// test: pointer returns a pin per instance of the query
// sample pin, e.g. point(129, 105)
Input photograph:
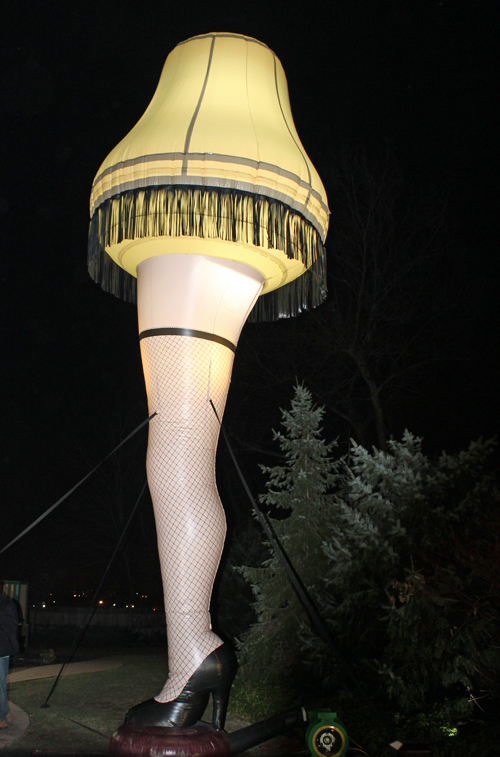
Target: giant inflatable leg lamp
point(191, 311)
point(212, 205)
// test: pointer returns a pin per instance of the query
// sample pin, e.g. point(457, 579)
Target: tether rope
point(65, 496)
point(91, 611)
point(307, 603)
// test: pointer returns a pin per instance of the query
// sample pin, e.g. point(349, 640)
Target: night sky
point(75, 78)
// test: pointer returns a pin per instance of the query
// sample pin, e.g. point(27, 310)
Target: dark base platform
point(143, 741)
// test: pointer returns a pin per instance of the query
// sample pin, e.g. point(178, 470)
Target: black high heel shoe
point(214, 676)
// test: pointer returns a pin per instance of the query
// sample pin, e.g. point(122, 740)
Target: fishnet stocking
point(182, 374)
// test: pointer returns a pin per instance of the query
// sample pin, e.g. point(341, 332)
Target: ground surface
point(85, 709)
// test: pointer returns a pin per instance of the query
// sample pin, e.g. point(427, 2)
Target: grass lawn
point(85, 709)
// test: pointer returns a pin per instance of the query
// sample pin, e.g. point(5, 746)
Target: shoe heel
point(220, 693)
point(220, 697)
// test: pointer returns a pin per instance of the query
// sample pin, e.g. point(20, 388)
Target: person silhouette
point(9, 645)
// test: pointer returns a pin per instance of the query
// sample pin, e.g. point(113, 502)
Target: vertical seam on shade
point(290, 132)
point(196, 111)
point(257, 168)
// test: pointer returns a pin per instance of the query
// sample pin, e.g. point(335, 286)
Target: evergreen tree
point(408, 594)
point(402, 556)
point(370, 530)
point(299, 493)
point(443, 626)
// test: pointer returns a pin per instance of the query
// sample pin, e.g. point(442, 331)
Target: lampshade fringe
point(210, 213)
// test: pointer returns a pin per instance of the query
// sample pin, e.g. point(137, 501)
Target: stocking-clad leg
point(191, 310)
point(183, 373)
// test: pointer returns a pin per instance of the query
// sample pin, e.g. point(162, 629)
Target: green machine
point(326, 735)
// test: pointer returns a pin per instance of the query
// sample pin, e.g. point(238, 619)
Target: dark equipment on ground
point(325, 737)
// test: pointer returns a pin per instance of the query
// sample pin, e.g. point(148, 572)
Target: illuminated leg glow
point(183, 373)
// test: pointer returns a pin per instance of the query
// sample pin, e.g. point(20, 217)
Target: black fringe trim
point(210, 213)
point(290, 300)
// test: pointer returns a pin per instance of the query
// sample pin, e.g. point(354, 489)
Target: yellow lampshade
point(215, 167)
